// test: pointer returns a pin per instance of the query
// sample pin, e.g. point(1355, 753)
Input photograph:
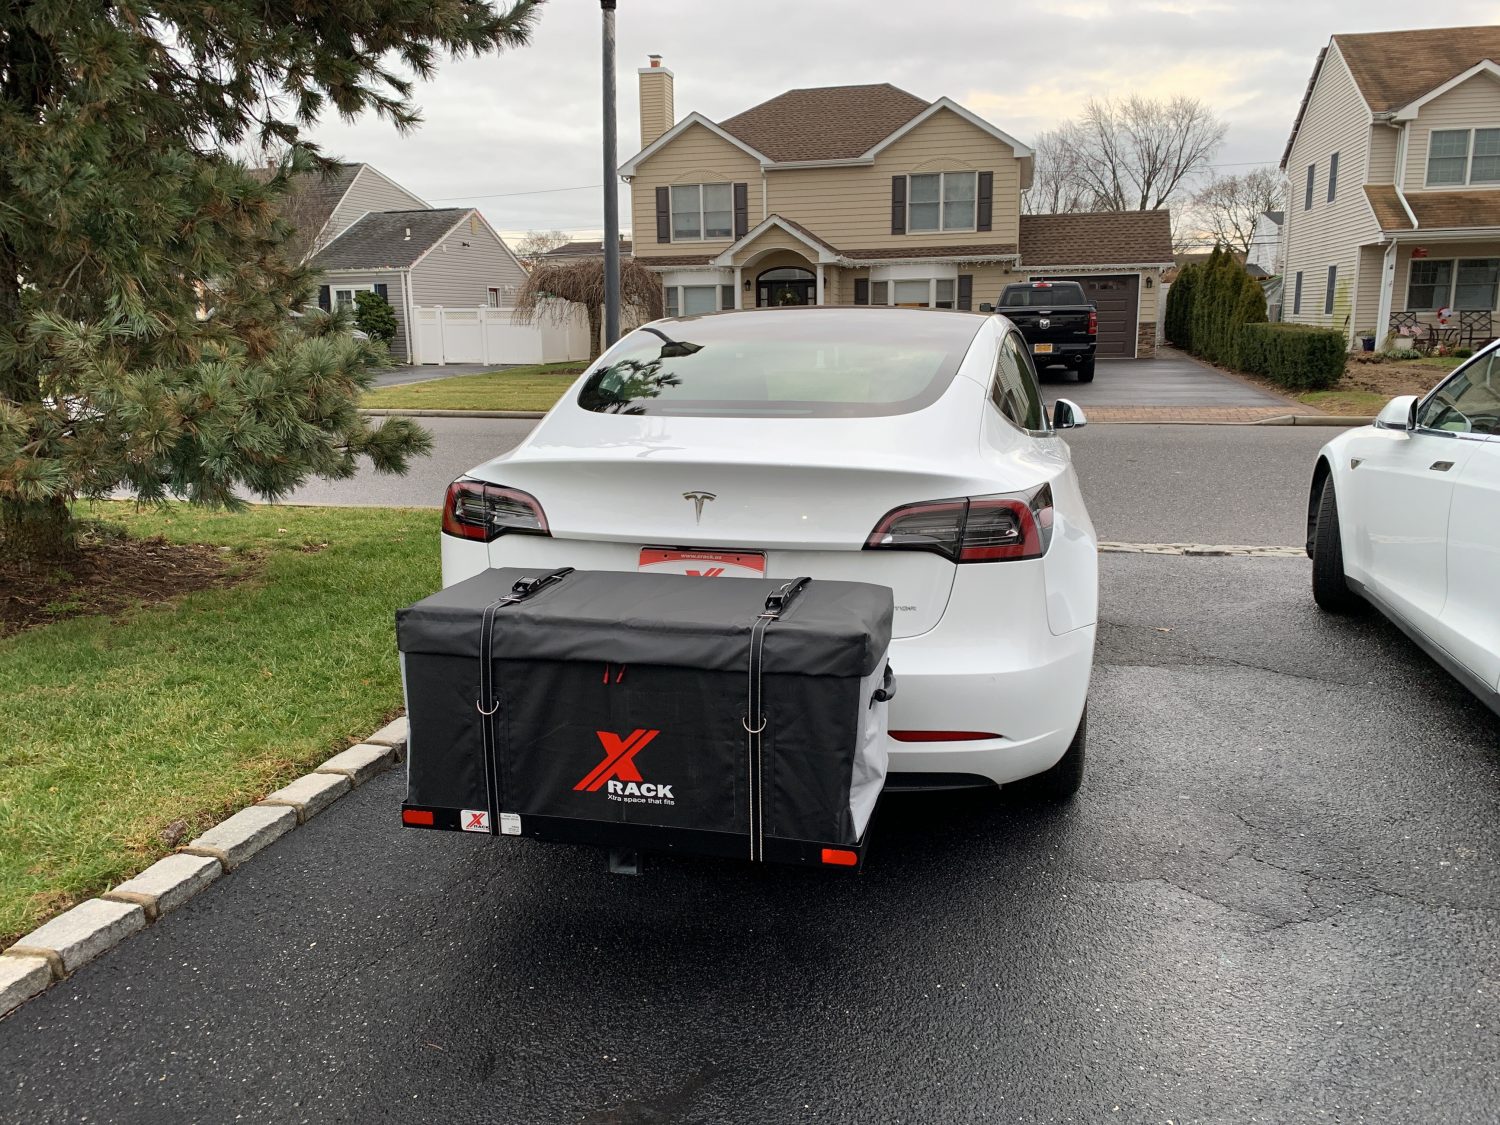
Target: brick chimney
point(657, 113)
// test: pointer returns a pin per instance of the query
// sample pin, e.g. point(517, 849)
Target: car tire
point(1061, 782)
point(1330, 587)
point(1086, 371)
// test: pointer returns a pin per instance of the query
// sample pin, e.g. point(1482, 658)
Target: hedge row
point(1299, 357)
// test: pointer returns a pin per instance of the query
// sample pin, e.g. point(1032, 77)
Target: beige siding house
point(868, 195)
point(1393, 214)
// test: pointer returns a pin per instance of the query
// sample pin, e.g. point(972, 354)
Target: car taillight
point(476, 510)
point(971, 528)
point(1093, 324)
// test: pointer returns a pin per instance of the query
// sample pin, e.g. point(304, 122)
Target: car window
point(1014, 389)
point(1469, 402)
point(827, 364)
point(1068, 293)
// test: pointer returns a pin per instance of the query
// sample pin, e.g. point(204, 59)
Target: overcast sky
point(519, 134)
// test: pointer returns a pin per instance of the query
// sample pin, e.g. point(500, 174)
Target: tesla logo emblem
point(1044, 322)
point(619, 759)
point(698, 499)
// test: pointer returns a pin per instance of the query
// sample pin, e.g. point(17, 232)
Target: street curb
point(1345, 420)
point(396, 412)
point(59, 947)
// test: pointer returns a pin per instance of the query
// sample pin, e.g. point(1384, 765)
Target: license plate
point(703, 564)
point(1042, 349)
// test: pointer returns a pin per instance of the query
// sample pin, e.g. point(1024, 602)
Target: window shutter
point(1333, 176)
point(726, 292)
point(741, 211)
point(383, 291)
point(985, 201)
point(663, 215)
point(325, 298)
point(966, 290)
point(898, 204)
point(861, 290)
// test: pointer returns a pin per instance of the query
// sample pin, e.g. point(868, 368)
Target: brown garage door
point(1117, 298)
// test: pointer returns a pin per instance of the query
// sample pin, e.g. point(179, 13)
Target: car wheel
point(1086, 371)
point(1329, 586)
point(1059, 783)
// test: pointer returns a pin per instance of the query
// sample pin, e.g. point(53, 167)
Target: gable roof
point(311, 201)
point(570, 251)
point(824, 122)
point(380, 239)
point(1090, 238)
point(1392, 69)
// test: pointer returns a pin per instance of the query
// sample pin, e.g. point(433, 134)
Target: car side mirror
point(985, 308)
point(1398, 414)
point(1068, 415)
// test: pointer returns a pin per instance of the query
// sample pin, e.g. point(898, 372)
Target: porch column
point(820, 283)
point(739, 288)
point(1387, 288)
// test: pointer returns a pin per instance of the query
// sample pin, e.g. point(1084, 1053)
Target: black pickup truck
point(1055, 318)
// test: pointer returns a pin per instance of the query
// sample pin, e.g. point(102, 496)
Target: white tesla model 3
point(1405, 514)
point(909, 448)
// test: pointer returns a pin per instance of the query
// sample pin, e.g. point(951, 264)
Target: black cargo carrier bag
point(734, 717)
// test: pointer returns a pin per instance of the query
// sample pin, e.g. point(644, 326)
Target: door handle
point(1440, 466)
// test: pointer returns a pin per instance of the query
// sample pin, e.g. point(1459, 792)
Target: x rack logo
point(619, 759)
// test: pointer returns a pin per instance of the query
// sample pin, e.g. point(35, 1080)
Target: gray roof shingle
point(310, 202)
point(825, 122)
point(388, 239)
point(1099, 238)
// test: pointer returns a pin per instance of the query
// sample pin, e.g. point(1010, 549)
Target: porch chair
point(1476, 327)
point(1424, 336)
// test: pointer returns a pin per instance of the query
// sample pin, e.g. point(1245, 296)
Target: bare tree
point(538, 242)
point(1055, 182)
point(1131, 154)
point(1228, 207)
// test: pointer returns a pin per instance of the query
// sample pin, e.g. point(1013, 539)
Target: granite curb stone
point(167, 883)
point(394, 734)
point(360, 763)
point(76, 937)
point(235, 840)
point(22, 976)
point(310, 794)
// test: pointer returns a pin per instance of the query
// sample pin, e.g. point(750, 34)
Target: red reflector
point(417, 816)
point(839, 857)
point(941, 735)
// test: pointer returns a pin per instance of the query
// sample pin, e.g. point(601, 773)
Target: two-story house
point(362, 231)
point(1394, 163)
point(869, 195)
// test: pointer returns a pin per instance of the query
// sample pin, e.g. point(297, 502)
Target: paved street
point(1274, 900)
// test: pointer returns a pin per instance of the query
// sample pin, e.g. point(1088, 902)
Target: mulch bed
point(110, 575)
point(1389, 377)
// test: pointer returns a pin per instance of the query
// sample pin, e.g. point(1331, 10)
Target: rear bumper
point(1071, 354)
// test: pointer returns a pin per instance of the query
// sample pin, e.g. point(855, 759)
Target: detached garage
point(1117, 256)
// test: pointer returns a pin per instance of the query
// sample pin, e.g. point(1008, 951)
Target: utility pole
point(611, 185)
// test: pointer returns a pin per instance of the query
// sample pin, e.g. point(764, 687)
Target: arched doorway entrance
point(785, 285)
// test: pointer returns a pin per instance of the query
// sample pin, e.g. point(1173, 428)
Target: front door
point(786, 286)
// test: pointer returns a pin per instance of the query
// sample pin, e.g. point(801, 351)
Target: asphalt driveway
point(1274, 900)
point(1170, 379)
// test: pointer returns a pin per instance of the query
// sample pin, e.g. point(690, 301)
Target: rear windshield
point(785, 364)
point(1058, 293)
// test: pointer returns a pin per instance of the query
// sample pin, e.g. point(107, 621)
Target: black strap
point(487, 704)
point(755, 721)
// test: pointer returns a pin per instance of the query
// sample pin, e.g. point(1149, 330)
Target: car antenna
point(674, 349)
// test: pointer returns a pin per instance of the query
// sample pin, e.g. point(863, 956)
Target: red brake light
point(417, 816)
point(1041, 285)
point(839, 857)
point(971, 528)
point(1093, 323)
point(476, 510)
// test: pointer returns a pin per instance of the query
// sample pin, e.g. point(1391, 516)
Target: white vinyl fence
point(488, 335)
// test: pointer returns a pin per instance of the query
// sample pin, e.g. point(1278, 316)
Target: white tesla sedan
point(909, 448)
point(1405, 514)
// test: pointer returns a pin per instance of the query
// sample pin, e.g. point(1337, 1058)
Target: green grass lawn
point(189, 710)
point(1362, 404)
point(535, 387)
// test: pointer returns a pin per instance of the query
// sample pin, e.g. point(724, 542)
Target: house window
point(1312, 173)
point(1468, 283)
point(1297, 294)
point(702, 211)
point(1333, 176)
point(940, 201)
point(1463, 156)
point(494, 294)
point(692, 300)
point(914, 293)
point(1429, 284)
point(1333, 281)
point(343, 296)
